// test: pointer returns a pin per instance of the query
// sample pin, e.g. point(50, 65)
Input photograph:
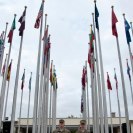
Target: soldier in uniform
point(61, 128)
point(82, 128)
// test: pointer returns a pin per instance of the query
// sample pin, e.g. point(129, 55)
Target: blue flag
point(96, 17)
point(127, 28)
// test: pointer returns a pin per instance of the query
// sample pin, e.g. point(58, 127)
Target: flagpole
point(110, 112)
point(27, 128)
point(88, 100)
point(6, 97)
point(50, 108)
point(2, 96)
point(1, 60)
point(37, 77)
point(131, 28)
point(20, 111)
point(47, 93)
point(41, 82)
point(123, 85)
point(119, 111)
point(129, 48)
point(16, 86)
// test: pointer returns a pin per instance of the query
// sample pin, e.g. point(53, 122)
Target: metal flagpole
point(50, 108)
point(110, 112)
point(37, 77)
point(20, 111)
point(1, 59)
point(16, 85)
point(41, 81)
point(123, 86)
point(87, 99)
point(6, 97)
point(129, 48)
point(119, 111)
point(29, 105)
point(2, 96)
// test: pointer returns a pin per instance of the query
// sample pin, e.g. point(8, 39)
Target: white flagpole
point(110, 112)
point(47, 92)
point(101, 106)
point(103, 88)
point(1, 59)
point(131, 28)
point(130, 53)
point(16, 86)
point(123, 86)
point(37, 79)
point(50, 108)
point(3, 87)
point(41, 82)
point(119, 111)
point(20, 111)
point(27, 128)
point(88, 99)
point(98, 79)
point(6, 97)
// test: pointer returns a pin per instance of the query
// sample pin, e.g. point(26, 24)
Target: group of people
point(62, 129)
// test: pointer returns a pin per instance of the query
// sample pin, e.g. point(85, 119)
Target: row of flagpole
point(97, 77)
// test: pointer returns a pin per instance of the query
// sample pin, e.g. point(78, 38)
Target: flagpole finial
point(92, 13)
point(46, 14)
point(112, 7)
point(6, 23)
point(15, 15)
point(94, 1)
point(131, 23)
point(124, 15)
point(11, 60)
point(114, 68)
point(25, 7)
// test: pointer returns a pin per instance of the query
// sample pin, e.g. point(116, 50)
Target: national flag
point(127, 28)
point(116, 81)
point(114, 21)
point(54, 79)
point(30, 82)
point(23, 80)
point(96, 17)
point(1, 39)
point(108, 82)
point(4, 67)
point(22, 22)
point(128, 71)
point(84, 77)
point(9, 71)
point(39, 16)
point(82, 104)
point(10, 35)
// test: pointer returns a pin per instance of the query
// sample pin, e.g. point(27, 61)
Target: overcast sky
point(69, 22)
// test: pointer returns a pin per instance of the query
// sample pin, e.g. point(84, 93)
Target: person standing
point(82, 128)
point(61, 128)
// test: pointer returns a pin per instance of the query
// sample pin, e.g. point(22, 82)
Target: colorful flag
point(96, 17)
point(114, 21)
point(30, 82)
point(82, 104)
point(116, 81)
point(128, 71)
point(10, 35)
point(9, 71)
point(84, 77)
point(39, 16)
point(23, 80)
point(54, 79)
point(4, 67)
point(108, 82)
point(127, 28)
point(1, 39)
point(22, 22)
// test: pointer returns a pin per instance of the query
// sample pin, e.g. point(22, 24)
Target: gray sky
point(69, 22)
